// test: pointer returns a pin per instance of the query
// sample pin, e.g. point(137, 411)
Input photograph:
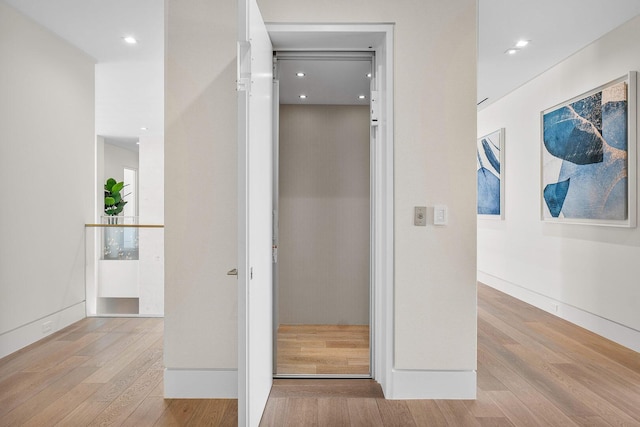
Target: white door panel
point(255, 77)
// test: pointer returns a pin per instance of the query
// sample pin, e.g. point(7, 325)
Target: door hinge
point(274, 253)
point(375, 107)
point(251, 273)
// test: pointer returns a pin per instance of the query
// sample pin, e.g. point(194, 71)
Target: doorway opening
point(323, 214)
point(255, 308)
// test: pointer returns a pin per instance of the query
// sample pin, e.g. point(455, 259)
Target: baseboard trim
point(18, 338)
point(609, 329)
point(200, 383)
point(412, 384)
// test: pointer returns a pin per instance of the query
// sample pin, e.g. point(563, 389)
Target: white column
point(151, 211)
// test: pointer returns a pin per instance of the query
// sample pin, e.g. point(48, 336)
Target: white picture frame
point(490, 167)
point(587, 168)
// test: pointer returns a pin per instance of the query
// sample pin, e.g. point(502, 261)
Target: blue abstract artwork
point(584, 157)
point(489, 174)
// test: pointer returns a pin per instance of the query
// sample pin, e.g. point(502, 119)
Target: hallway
point(533, 369)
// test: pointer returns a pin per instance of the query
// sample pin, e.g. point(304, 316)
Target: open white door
point(255, 350)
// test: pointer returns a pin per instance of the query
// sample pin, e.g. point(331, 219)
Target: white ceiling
point(556, 28)
point(129, 79)
point(336, 81)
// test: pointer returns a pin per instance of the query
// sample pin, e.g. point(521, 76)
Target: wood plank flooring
point(99, 371)
point(533, 370)
point(323, 349)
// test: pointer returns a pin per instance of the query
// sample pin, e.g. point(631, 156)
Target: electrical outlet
point(47, 326)
point(420, 216)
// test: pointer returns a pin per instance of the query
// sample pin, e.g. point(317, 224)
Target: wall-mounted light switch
point(420, 216)
point(440, 215)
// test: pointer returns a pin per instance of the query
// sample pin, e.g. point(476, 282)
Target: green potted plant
point(113, 237)
point(113, 201)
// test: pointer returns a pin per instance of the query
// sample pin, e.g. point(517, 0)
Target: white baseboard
point(200, 384)
point(432, 385)
point(609, 329)
point(15, 339)
point(223, 384)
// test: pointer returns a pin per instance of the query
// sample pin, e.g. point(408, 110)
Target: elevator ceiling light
point(300, 74)
point(522, 43)
point(130, 40)
point(511, 51)
point(362, 96)
point(303, 96)
point(369, 75)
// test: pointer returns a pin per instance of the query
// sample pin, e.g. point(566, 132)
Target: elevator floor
point(323, 349)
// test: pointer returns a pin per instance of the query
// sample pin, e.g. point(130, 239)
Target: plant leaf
point(109, 184)
point(117, 187)
point(109, 201)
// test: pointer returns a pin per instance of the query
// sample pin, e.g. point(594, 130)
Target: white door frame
point(377, 38)
point(367, 56)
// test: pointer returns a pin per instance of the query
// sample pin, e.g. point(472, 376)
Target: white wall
point(200, 181)
point(589, 272)
point(151, 211)
point(435, 131)
point(116, 159)
point(47, 167)
point(323, 247)
point(151, 179)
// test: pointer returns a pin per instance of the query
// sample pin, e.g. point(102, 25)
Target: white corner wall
point(47, 167)
point(586, 274)
point(435, 132)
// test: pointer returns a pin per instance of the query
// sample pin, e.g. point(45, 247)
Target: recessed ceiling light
point(362, 96)
point(130, 40)
point(511, 51)
point(369, 75)
point(522, 43)
point(300, 74)
point(303, 96)
point(138, 143)
point(144, 128)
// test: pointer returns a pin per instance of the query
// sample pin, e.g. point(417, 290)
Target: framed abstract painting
point(588, 157)
point(490, 175)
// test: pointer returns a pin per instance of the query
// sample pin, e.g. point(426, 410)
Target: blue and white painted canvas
point(489, 174)
point(584, 158)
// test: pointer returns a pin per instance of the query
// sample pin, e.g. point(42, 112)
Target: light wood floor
point(533, 370)
point(323, 349)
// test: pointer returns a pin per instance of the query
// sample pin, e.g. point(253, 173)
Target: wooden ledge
point(127, 225)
